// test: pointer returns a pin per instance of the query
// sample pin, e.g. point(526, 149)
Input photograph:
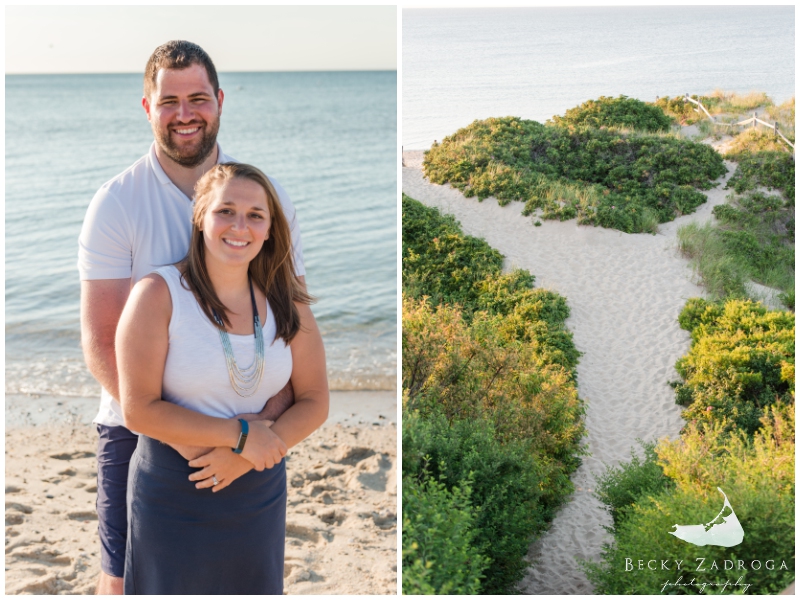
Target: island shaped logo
point(724, 530)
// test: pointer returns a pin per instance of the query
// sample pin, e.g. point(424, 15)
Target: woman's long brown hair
point(272, 270)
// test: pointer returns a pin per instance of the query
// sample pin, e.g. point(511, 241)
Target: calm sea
point(329, 138)
point(465, 64)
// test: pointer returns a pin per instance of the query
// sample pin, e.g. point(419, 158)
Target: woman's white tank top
point(196, 374)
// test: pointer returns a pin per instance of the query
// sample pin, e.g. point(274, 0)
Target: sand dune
point(341, 514)
point(625, 293)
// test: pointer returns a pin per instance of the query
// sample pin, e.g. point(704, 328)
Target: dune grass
point(784, 115)
point(753, 240)
point(733, 102)
point(758, 139)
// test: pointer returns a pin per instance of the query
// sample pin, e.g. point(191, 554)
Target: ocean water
point(330, 138)
point(465, 64)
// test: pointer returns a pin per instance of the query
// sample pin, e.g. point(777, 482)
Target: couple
point(193, 315)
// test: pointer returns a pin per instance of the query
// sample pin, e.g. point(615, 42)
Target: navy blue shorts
point(115, 447)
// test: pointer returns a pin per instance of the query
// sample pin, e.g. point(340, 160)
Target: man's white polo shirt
point(140, 221)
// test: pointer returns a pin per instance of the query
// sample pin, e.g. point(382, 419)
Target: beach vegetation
point(772, 170)
point(620, 487)
point(783, 114)
point(439, 528)
point(733, 102)
point(688, 113)
point(625, 181)
point(728, 107)
point(506, 491)
point(718, 102)
point(722, 275)
point(489, 405)
point(622, 112)
point(737, 383)
point(757, 476)
point(756, 140)
point(752, 239)
point(741, 362)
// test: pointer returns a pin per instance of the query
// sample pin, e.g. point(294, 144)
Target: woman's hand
point(263, 448)
point(222, 463)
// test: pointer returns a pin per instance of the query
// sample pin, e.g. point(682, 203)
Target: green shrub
point(620, 488)
point(787, 298)
point(757, 476)
point(506, 487)
point(615, 112)
point(741, 362)
point(490, 406)
point(773, 170)
point(625, 182)
point(472, 371)
point(446, 266)
point(439, 555)
point(439, 261)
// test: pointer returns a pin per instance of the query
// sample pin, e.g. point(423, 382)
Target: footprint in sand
point(291, 564)
point(302, 533)
point(318, 489)
point(15, 513)
point(353, 454)
point(371, 473)
point(332, 516)
point(14, 518)
point(72, 455)
point(42, 555)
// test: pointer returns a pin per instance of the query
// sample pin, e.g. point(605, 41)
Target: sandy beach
point(342, 498)
point(625, 293)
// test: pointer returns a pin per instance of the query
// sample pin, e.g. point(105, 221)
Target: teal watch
point(242, 437)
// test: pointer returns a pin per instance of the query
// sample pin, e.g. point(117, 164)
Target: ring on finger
point(214, 479)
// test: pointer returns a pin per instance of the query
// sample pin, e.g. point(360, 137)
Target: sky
point(119, 39)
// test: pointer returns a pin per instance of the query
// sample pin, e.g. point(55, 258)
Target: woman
point(183, 343)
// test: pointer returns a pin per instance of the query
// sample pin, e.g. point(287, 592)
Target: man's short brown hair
point(178, 54)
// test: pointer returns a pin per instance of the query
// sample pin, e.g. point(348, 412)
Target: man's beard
point(189, 158)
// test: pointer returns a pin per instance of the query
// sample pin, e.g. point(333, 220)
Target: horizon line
point(218, 71)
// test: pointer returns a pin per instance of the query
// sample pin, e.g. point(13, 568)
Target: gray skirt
point(182, 540)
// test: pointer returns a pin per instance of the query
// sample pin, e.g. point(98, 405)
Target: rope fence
point(754, 120)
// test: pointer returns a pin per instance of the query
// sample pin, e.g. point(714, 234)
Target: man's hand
point(222, 463)
point(274, 408)
point(278, 404)
point(263, 448)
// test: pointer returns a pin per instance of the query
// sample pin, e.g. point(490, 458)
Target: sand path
point(625, 293)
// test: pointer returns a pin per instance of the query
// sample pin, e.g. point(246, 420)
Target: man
point(137, 222)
